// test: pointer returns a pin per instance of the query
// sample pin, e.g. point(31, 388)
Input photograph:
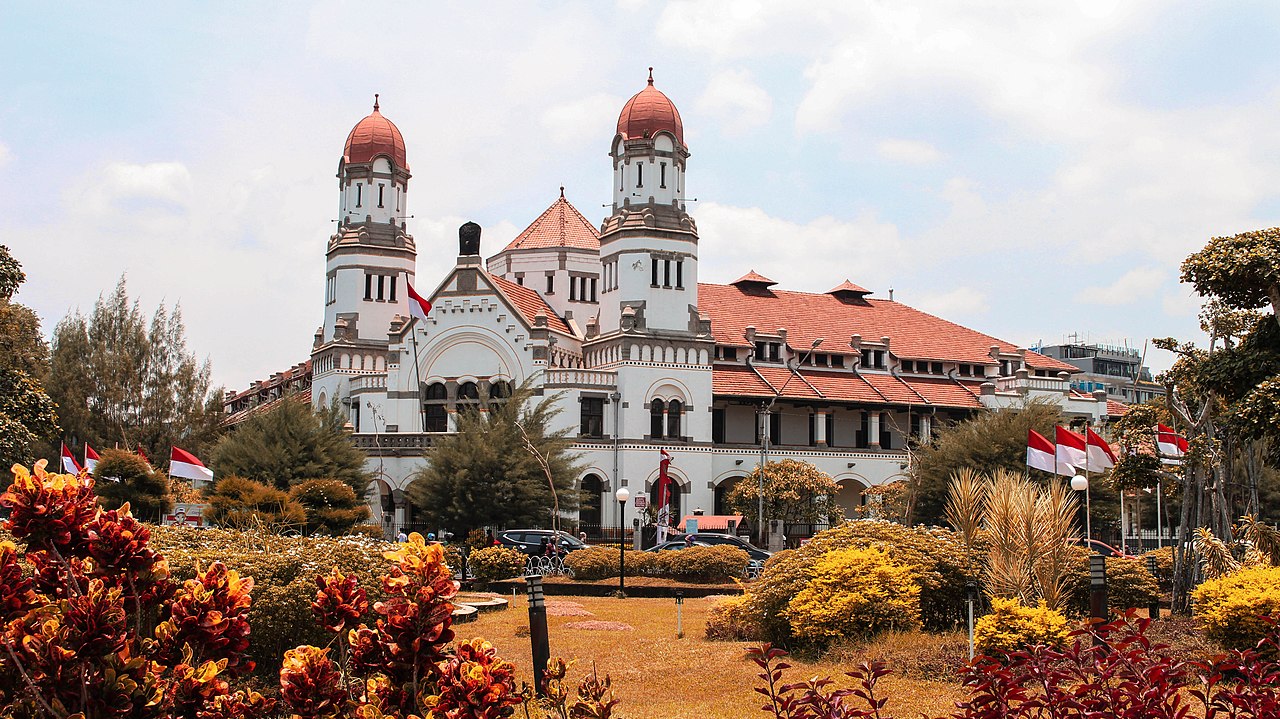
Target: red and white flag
point(1100, 455)
point(1040, 452)
point(1072, 452)
point(1170, 444)
point(90, 458)
point(184, 464)
point(69, 465)
point(418, 305)
point(664, 496)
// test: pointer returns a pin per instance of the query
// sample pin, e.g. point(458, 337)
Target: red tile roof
point(849, 287)
point(649, 112)
point(529, 304)
point(561, 225)
point(867, 387)
point(913, 334)
point(1116, 409)
point(373, 136)
point(754, 278)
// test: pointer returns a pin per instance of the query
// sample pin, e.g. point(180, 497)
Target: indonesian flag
point(1100, 455)
point(1171, 444)
point(1040, 452)
point(90, 458)
point(1071, 451)
point(664, 496)
point(138, 451)
point(69, 461)
point(184, 464)
point(418, 306)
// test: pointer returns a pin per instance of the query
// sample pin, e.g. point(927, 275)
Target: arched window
point(656, 409)
point(673, 419)
point(722, 495)
point(673, 500)
point(436, 417)
point(499, 391)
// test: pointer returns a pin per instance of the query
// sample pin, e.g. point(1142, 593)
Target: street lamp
point(1080, 483)
point(622, 495)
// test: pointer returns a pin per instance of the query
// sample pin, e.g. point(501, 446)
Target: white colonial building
point(613, 322)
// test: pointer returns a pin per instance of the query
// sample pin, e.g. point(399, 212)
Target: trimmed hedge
point(494, 563)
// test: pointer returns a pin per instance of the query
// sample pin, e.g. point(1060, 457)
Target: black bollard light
point(538, 630)
point(1153, 610)
point(679, 614)
point(1098, 587)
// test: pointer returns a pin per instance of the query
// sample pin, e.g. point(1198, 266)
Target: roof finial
point(562, 192)
point(375, 102)
point(650, 76)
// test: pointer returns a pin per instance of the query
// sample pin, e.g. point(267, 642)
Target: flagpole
point(422, 410)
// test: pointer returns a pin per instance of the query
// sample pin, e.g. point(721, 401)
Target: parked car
point(1100, 547)
point(533, 541)
point(674, 544)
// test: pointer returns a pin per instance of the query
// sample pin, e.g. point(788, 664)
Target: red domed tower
point(649, 245)
point(369, 258)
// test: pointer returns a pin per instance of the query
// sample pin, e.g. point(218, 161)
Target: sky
point(1028, 169)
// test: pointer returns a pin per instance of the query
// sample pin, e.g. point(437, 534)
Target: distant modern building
point(1116, 369)
point(613, 321)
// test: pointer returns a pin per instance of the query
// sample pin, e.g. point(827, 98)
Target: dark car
point(534, 541)
point(675, 544)
point(1100, 547)
point(757, 554)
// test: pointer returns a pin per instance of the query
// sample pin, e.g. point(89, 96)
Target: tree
point(330, 505)
point(482, 475)
point(120, 382)
point(125, 477)
point(991, 440)
point(291, 443)
point(243, 504)
point(1242, 270)
point(795, 492)
point(28, 416)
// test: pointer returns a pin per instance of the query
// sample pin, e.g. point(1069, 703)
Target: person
point(431, 537)
point(688, 540)
point(402, 537)
point(490, 539)
point(582, 536)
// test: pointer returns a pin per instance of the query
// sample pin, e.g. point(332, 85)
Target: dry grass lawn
point(656, 676)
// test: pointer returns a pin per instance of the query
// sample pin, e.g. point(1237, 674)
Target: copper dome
point(373, 136)
point(648, 113)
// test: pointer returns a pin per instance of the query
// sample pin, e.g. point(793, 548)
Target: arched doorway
point(589, 514)
point(722, 494)
point(852, 497)
point(674, 501)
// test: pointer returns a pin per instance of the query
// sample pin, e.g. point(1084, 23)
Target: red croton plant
point(93, 627)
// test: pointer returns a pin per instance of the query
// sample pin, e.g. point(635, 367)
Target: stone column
point(873, 430)
point(926, 428)
point(820, 429)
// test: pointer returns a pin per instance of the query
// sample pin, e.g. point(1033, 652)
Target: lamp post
point(1080, 483)
point(623, 494)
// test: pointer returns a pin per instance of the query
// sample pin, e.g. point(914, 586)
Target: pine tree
point(291, 443)
point(483, 475)
point(28, 416)
point(125, 477)
point(120, 382)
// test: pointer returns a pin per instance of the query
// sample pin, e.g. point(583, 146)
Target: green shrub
point(372, 531)
point(1011, 626)
point(944, 569)
point(719, 563)
point(1164, 564)
point(855, 592)
point(494, 563)
point(731, 620)
point(241, 503)
point(602, 563)
point(125, 477)
point(1129, 583)
point(284, 571)
point(331, 506)
point(1233, 608)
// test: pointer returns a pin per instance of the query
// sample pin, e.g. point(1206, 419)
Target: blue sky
point(1028, 169)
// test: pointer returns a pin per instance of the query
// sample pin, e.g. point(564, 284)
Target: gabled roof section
point(561, 225)
point(848, 290)
point(753, 278)
point(529, 304)
point(806, 316)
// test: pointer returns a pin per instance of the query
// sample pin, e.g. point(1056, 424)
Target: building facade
point(612, 321)
point(1117, 370)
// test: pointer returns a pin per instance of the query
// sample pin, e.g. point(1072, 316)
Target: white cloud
point(736, 102)
point(569, 122)
point(812, 256)
point(961, 302)
point(911, 152)
point(129, 187)
point(1136, 284)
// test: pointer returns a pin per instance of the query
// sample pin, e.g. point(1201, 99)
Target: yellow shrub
point(856, 592)
point(601, 562)
point(494, 563)
point(719, 563)
point(1011, 626)
point(731, 619)
point(1232, 608)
